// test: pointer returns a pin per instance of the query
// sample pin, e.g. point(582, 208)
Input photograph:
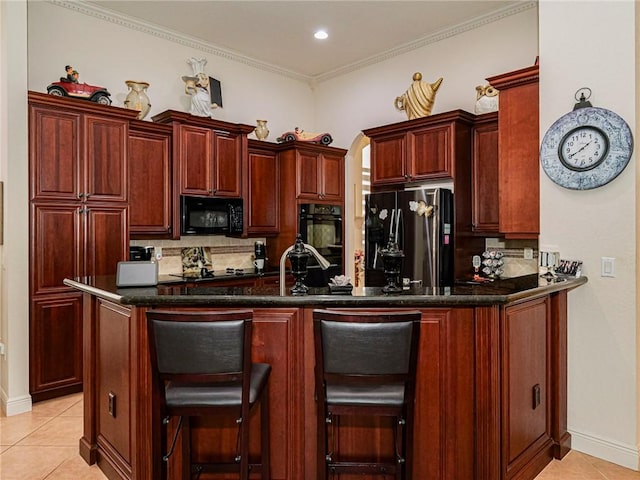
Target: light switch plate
point(608, 267)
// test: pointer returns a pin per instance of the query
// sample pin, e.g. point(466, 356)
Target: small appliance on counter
point(259, 256)
point(140, 253)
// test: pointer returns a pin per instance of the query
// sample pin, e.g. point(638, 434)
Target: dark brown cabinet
point(320, 176)
point(526, 409)
point(419, 150)
point(518, 144)
point(484, 174)
point(151, 199)
point(78, 221)
point(208, 155)
point(309, 173)
point(263, 184)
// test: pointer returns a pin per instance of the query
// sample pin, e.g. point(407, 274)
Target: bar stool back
point(201, 365)
point(365, 366)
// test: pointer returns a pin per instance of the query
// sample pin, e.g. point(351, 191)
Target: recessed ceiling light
point(321, 35)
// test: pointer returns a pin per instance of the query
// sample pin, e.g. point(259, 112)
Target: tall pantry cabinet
point(78, 226)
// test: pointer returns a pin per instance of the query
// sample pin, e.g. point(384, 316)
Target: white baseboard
point(623, 455)
point(15, 406)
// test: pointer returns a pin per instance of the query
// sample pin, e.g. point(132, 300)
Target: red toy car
point(297, 134)
point(66, 88)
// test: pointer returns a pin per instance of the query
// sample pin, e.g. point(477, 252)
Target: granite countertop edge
point(266, 297)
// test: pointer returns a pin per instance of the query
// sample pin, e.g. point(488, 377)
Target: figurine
point(418, 100)
point(69, 86)
point(486, 99)
point(198, 86)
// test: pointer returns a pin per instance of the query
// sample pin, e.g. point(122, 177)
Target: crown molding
point(150, 29)
point(430, 39)
point(176, 37)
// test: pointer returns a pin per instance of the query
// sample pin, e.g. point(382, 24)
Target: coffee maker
point(259, 256)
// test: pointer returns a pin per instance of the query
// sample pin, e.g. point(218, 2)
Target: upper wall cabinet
point(320, 174)
point(518, 146)
point(150, 187)
point(419, 150)
point(78, 151)
point(208, 155)
point(262, 207)
point(484, 168)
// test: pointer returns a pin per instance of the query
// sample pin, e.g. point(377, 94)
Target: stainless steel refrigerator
point(421, 222)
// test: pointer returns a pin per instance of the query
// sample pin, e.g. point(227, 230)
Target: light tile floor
point(43, 444)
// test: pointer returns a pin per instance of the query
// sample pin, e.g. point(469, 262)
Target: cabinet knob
point(80, 195)
point(87, 195)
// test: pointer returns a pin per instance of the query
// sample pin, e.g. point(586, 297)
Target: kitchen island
point(491, 392)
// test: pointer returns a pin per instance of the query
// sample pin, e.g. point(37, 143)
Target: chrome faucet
point(323, 262)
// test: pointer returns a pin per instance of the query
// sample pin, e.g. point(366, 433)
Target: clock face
point(583, 148)
point(586, 148)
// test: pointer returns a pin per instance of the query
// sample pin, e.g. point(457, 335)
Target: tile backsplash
point(515, 264)
point(224, 252)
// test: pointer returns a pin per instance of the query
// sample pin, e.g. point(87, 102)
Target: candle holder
point(392, 262)
point(299, 256)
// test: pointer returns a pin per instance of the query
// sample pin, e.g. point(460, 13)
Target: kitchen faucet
point(323, 262)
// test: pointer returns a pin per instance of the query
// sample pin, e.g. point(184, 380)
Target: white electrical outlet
point(528, 253)
point(1, 349)
point(158, 253)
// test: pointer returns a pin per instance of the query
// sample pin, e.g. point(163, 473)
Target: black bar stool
point(365, 366)
point(201, 365)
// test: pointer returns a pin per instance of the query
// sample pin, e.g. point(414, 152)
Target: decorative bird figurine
point(486, 99)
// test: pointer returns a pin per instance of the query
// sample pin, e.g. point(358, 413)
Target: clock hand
point(571, 155)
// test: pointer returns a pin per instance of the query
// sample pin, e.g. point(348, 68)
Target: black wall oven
point(321, 227)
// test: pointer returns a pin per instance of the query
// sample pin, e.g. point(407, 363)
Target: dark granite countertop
point(462, 294)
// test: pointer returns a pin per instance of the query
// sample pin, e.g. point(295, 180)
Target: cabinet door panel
point(332, 177)
point(107, 239)
point(263, 199)
point(308, 174)
point(150, 190)
point(274, 334)
point(526, 420)
point(55, 247)
point(54, 150)
point(106, 159)
point(113, 350)
point(485, 209)
point(444, 407)
point(430, 153)
point(227, 166)
point(388, 156)
point(196, 160)
point(55, 337)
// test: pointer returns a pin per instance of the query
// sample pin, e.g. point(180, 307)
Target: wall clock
point(586, 148)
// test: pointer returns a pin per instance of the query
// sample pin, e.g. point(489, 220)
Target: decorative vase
point(137, 98)
point(392, 262)
point(261, 130)
point(299, 256)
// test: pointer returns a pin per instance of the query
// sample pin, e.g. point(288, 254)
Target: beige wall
point(596, 223)
point(14, 326)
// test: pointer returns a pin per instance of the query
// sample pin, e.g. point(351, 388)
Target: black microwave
point(210, 216)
